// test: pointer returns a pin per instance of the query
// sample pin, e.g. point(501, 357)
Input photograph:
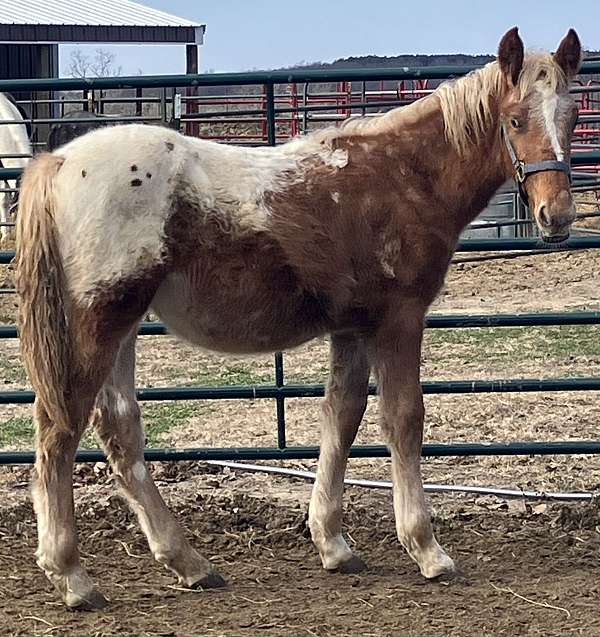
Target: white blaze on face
point(550, 116)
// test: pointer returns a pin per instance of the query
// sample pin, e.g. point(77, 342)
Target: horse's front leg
point(343, 408)
point(396, 359)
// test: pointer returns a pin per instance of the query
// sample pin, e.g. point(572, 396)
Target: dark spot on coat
point(148, 175)
point(170, 146)
point(83, 173)
point(136, 182)
point(134, 168)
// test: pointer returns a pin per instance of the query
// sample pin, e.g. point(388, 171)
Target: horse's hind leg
point(94, 336)
point(52, 487)
point(343, 408)
point(118, 424)
point(52, 493)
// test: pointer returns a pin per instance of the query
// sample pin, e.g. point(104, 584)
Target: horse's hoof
point(446, 577)
point(350, 566)
point(94, 600)
point(441, 570)
point(212, 580)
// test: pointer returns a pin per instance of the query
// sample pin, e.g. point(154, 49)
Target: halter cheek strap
point(522, 170)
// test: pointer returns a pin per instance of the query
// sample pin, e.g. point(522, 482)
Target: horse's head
point(537, 118)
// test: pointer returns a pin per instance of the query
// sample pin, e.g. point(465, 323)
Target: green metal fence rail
point(456, 321)
point(566, 447)
point(257, 392)
point(298, 76)
point(279, 390)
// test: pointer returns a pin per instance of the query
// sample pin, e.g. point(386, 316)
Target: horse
point(63, 132)
point(14, 140)
point(345, 231)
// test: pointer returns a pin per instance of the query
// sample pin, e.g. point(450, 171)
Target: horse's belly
point(241, 313)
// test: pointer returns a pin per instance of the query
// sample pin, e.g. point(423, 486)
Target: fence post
point(139, 107)
point(270, 114)
point(280, 401)
point(177, 112)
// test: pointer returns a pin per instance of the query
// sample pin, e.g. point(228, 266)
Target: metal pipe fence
point(338, 103)
point(279, 391)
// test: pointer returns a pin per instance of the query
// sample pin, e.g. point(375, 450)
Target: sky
point(243, 35)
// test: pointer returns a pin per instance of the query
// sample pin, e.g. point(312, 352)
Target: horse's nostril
point(543, 215)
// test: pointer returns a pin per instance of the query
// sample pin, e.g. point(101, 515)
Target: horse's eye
point(515, 123)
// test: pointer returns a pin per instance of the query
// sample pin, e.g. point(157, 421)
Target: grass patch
point(233, 374)
point(317, 376)
point(16, 432)
point(160, 418)
point(513, 344)
point(19, 432)
point(11, 370)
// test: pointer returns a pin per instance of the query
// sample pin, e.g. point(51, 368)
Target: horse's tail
point(43, 324)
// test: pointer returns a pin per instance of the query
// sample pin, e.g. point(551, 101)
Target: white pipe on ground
point(430, 488)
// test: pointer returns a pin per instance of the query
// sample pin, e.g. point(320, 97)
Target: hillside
point(383, 61)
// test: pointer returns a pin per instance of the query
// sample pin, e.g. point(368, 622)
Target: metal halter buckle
point(519, 171)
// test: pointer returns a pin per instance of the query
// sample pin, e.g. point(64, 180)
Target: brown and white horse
point(345, 231)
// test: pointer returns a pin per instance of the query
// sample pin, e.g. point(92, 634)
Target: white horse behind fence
point(15, 150)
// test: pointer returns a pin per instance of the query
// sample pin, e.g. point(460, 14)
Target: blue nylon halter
point(523, 170)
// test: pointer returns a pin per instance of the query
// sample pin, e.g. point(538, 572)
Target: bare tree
point(102, 64)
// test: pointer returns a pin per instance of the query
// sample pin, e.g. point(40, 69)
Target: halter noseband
point(522, 170)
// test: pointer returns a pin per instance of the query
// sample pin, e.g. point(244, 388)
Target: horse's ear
point(568, 55)
point(510, 55)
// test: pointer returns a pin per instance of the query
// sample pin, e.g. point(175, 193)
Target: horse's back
point(113, 196)
point(120, 187)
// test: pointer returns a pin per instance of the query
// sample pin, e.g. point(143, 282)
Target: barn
point(31, 32)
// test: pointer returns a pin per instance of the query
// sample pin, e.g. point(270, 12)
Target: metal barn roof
point(93, 21)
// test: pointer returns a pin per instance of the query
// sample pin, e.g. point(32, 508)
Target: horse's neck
point(464, 183)
point(470, 181)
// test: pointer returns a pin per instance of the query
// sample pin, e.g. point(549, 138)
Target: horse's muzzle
point(555, 224)
point(555, 238)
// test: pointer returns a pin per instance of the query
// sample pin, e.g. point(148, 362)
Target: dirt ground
point(525, 568)
point(524, 571)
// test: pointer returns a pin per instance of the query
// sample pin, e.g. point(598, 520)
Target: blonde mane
point(466, 102)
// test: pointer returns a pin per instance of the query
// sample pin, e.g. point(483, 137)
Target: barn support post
point(191, 68)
